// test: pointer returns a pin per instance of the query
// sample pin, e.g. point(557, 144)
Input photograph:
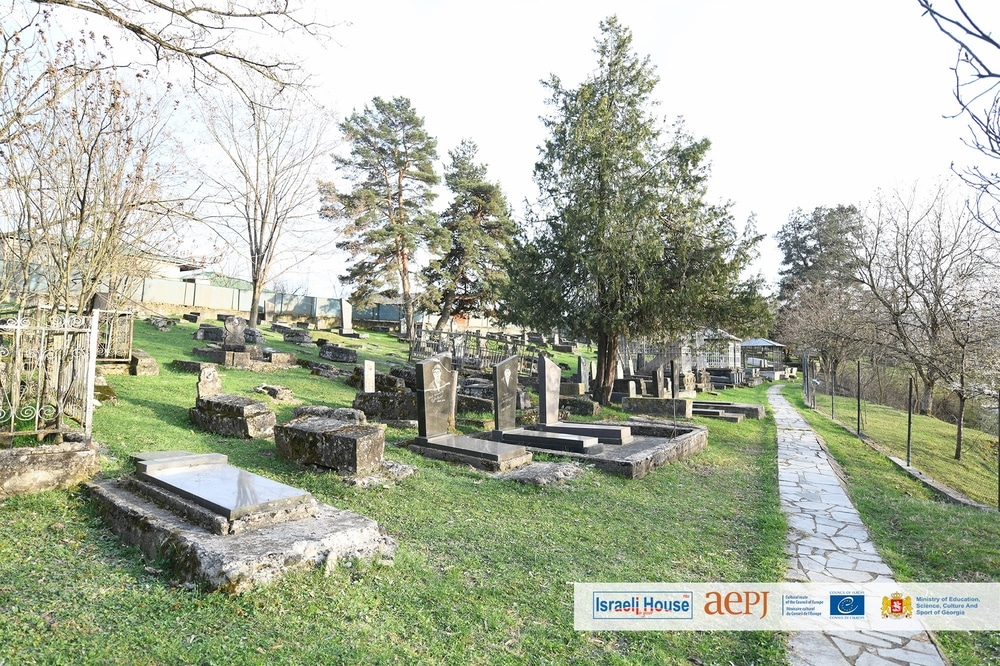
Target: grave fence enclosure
point(473, 351)
point(114, 342)
point(46, 375)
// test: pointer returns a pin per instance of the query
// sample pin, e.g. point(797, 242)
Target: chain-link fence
point(884, 403)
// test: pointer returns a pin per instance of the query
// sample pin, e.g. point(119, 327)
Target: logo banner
point(786, 606)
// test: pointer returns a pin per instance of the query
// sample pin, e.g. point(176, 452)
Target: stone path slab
point(827, 543)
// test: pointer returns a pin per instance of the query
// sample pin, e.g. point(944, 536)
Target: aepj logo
point(847, 605)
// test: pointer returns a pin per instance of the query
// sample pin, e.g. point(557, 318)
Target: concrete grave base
point(233, 416)
point(481, 454)
point(236, 562)
point(655, 443)
point(34, 469)
point(347, 448)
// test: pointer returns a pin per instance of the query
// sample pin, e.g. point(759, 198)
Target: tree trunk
point(959, 431)
point(446, 309)
point(607, 355)
point(254, 319)
point(927, 397)
point(409, 328)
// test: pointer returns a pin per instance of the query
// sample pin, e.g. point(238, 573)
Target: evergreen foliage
point(624, 242)
point(467, 277)
point(387, 211)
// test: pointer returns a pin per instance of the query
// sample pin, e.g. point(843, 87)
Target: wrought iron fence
point(114, 330)
point(473, 351)
point(46, 376)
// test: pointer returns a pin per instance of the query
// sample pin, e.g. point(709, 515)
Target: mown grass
point(932, 448)
point(482, 575)
point(917, 534)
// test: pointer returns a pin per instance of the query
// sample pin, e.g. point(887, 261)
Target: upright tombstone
point(505, 396)
point(346, 317)
point(436, 391)
point(619, 369)
point(209, 383)
point(659, 382)
point(583, 369)
point(234, 327)
point(369, 379)
point(675, 379)
point(549, 377)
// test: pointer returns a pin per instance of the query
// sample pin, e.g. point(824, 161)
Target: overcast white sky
point(807, 103)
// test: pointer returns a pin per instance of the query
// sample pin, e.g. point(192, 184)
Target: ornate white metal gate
point(46, 377)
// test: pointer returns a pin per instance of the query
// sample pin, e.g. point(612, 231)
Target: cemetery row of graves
point(221, 525)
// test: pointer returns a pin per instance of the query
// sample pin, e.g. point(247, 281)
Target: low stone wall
point(679, 408)
point(35, 469)
point(387, 406)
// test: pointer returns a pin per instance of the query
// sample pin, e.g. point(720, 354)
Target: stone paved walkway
point(827, 542)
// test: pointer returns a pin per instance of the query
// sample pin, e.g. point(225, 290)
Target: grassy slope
point(481, 576)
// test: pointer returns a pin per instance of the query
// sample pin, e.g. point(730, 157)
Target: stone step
point(553, 441)
point(606, 433)
point(718, 414)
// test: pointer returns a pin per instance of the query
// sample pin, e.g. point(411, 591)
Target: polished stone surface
point(553, 441)
point(605, 433)
point(229, 491)
point(505, 393)
point(436, 390)
point(827, 543)
point(549, 377)
point(476, 448)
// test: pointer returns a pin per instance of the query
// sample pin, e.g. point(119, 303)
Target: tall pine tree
point(387, 212)
point(466, 279)
point(624, 242)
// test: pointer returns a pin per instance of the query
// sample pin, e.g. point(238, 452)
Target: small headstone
point(583, 370)
point(548, 390)
point(659, 382)
point(235, 326)
point(346, 316)
point(142, 364)
point(369, 383)
point(619, 370)
point(505, 393)
point(209, 383)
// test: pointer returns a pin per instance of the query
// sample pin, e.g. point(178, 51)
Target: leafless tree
point(267, 196)
point(215, 39)
point(977, 91)
point(926, 264)
point(82, 202)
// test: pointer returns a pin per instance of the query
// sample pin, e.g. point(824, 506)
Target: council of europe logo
point(847, 605)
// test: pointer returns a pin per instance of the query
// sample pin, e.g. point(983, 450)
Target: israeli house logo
point(629, 605)
point(847, 605)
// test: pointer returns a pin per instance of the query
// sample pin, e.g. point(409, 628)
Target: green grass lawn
point(921, 537)
point(932, 448)
point(482, 575)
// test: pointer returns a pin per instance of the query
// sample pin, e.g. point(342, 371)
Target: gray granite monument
point(505, 395)
point(369, 377)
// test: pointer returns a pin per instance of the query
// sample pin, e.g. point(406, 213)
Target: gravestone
point(505, 394)
point(226, 528)
point(369, 382)
point(583, 370)
point(338, 354)
point(209, 383)
point(619, 370)
point(436, 390)
point(346, 317)
point(252, 336)
point(549, 376)
point(234, 327)
point(659, 382)
point(436, 394)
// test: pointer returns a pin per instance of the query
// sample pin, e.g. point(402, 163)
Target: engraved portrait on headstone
point(505, 394)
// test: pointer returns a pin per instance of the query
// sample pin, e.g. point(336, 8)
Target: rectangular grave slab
point(346, 448)
point(553, 441)
point(605, 433)
point(233, 416)
point(481, 453)
point(235, 562)
point(230, 492)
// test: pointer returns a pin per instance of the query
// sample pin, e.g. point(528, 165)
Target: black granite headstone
point(436, 389)
point(505, 393)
